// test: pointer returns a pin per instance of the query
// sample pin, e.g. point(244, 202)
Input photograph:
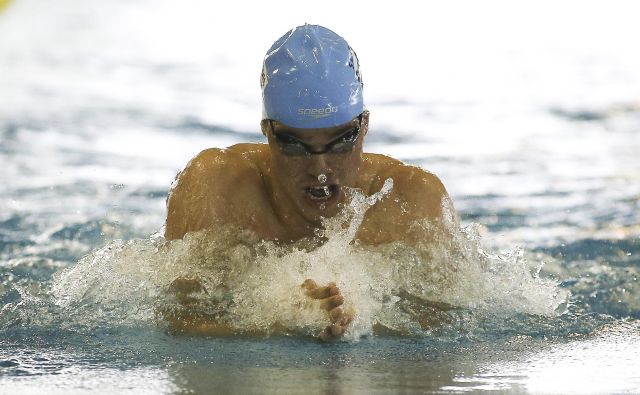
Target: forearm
point(188, 323)
point(199, 326)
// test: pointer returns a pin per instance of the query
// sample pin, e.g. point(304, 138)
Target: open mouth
point(321, 193)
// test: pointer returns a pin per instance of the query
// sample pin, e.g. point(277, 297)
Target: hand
point(186, 290)
point(330, 300)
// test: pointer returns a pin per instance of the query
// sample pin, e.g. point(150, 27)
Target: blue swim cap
point(311, 79)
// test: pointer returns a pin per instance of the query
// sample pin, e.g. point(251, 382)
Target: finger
point(309, 284)
point(346, 319)
point(336, 315)
point(332, 302)
point(323, 292)
point(325, 335)
point(336, 330)
point(331, 332)
point(341, 319)
point(333, 289)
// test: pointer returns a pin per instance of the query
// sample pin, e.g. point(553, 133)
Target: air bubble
point(322, 178)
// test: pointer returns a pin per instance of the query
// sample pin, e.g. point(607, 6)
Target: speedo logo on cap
point(316, 113)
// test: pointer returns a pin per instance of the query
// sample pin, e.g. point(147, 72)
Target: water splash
point(254, 284)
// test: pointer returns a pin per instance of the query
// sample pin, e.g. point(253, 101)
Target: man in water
point(315, 123)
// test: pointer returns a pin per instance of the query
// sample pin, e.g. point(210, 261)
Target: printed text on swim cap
point(316, 113)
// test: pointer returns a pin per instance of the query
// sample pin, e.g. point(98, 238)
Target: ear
point(264, 126)
point(365, 122)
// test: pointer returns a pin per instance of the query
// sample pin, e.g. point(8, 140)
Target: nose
point(318, 164)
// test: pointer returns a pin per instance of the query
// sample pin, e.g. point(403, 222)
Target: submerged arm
point(189, 319)
point(185, 317)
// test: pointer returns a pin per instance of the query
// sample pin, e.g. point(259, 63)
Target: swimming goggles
point(290, 145)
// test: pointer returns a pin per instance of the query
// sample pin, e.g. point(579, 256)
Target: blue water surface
point(535, 137)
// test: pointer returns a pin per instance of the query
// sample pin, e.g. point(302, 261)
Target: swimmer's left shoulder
point(416, 195)
point(422, 191)
point(405, 177)
point(408, 176)
point(378, 161)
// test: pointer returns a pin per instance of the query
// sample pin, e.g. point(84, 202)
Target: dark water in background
point(101, 105)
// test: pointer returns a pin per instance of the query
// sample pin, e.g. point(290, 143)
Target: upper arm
point(192, 194)
point(423, 194)
point(417, 198)
point(431, 215)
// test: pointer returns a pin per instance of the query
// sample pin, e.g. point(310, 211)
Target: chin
point(315, 206)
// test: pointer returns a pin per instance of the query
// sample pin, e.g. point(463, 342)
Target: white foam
point(255, 284)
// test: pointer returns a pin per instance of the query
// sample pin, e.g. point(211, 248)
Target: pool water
point(534, 133)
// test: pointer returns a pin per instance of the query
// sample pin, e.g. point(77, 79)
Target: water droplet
point(322, 178)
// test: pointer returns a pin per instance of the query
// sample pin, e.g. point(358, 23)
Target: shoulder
point(215, 168)
point(408, 180)
point(420, 191)
point(235, 159)
point(417, 195)
point(207, 187)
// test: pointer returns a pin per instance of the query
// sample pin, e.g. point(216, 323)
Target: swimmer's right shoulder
point(219, 169)
point(231, 160)
point(208, 187)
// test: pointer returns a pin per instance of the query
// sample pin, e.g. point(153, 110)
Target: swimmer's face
point(313, 166)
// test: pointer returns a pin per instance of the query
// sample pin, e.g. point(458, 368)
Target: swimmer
point(315, 123)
